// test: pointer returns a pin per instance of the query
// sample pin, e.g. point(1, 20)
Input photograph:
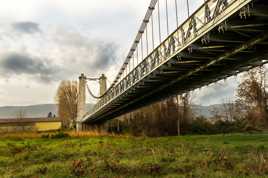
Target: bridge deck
point(234, 41)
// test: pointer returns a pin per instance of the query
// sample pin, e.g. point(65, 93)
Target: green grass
point(219, 156)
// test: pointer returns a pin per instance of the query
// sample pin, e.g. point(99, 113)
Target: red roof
point(28, 120)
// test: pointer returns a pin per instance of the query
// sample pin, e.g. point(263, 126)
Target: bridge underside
point(238, 44)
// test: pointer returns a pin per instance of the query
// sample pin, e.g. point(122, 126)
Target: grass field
point(226, 156)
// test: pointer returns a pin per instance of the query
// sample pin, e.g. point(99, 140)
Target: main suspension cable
point(91, 93)
point(94, 96)
point(136, 42)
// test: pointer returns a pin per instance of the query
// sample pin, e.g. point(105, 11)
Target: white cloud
point(216, 93)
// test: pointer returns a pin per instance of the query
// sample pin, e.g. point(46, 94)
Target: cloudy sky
point(45, 41)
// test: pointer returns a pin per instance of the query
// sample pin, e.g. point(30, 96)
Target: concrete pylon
point(81, 104)
point(103, 84)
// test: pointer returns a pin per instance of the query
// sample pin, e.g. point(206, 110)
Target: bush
point(203, 126)
point(45, 136)
point(60, 135)
point(57, 135)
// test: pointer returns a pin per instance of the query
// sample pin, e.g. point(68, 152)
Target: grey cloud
point(94, 55)
point(18, 64)
point(26, 27)
point(106, 55)
point(74, 54)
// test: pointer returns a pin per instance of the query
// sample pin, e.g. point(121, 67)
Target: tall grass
point(20, 135)
point(72, 134)
point(91, 133)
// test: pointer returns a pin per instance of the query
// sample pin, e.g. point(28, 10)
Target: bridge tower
point(103, 84)
point(81, 104)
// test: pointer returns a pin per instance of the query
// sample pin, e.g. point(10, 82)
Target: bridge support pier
point(81, 104)
point(79, 126)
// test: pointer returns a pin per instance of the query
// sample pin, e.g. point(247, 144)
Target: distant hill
point(43, 110)
point(207, 111)
point(31, 111)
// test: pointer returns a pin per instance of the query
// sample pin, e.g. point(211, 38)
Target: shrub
point(59, 135)
point(201, 126)
point(45, 136)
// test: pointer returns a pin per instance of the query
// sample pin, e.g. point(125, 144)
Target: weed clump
point(78, 168)
point(14, 149)
point(42, 170)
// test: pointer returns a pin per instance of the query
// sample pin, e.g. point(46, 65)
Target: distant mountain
point(31, 111)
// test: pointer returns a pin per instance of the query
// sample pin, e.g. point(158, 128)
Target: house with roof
point(30, 125)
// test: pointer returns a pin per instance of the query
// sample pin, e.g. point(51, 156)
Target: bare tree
point(216, 114)
point(229, 111)
point(67, 98)
point(157, 119)
point(185, 114)
point(252, 96)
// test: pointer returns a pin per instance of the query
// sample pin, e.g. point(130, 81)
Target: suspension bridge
point(174, 53)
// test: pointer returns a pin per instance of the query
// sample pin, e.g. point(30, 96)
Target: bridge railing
point(193, 28)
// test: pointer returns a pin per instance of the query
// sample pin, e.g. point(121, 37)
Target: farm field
point(217, 156)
